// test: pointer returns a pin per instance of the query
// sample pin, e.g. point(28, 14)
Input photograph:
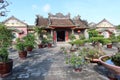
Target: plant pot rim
point(9, 60)
point(114, 68)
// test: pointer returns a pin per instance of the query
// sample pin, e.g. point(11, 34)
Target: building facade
point(62, 26)
point(105, 28)
point(19, 27)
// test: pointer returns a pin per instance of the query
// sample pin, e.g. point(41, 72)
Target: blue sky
point(90, 10)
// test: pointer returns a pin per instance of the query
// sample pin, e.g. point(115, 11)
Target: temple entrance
point(60, 36)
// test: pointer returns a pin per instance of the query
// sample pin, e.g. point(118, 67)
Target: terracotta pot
point(94, 60)
point(115, 69)
point(23, 54)
point(49, 45)
point(41, 46)
point(77, 69)
point(6, 68)
point(29, 48)
point(72, 50)
point(109, 45)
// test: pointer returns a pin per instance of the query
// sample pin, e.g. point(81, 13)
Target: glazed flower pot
point(6, 68)
point(23, 54)
point(115, 69)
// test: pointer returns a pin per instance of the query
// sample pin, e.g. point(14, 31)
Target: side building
point(105, 28)
point(19, 27)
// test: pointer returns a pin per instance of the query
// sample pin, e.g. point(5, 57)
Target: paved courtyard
point(49, 64)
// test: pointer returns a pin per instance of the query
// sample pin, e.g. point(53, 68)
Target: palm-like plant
point(5, 42)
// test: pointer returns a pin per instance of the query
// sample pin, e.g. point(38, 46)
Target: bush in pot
point(20, 46)
point(49, 39)
point(29, 40)
point(5, 41)
point(116, 59)
point(76, 60)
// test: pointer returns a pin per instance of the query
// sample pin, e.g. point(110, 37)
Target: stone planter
point(22, 54)
point(115, 69)
point(6, 68)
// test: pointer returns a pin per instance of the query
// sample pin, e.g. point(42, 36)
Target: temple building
point(105, 28)
point(62, 26)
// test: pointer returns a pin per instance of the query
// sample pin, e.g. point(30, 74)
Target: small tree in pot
point(29, 41)
point(76, 60)
point(5, 41)
point(20, 46)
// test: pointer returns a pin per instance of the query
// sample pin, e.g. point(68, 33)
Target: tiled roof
point(12, 17)
point(42, 21)
point(80, 23)
point(61, 22)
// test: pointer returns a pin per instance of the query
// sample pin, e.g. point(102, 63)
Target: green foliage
point(72, 37)
point(116, 59)
point(5, 42)
point(82, 37)
point(20, 45)
point(92, 33)
point(76, 59)
point(29, 40)
point(5, 36)
point(118, 27)
point(79, 42)
point(3, 55)
point(49, 38)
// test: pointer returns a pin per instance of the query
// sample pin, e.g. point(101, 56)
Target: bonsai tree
point(72, 38)
point(29, 41)
point(5, 41)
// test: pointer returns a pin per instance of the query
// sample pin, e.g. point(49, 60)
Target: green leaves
point(5, 42)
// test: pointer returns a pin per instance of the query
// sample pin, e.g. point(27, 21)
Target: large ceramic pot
point(114, 68)
point(6, 68)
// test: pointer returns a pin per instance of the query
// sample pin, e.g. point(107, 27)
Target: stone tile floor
point(49, 64)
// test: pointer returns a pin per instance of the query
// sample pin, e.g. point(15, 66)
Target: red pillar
point(66, 35)
point(54, 36)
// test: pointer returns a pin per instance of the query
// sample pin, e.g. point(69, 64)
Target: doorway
point(60, 36)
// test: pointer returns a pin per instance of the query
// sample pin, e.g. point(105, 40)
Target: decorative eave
point(62, 26)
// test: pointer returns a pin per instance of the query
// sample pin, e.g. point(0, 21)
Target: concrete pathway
point(49, 64)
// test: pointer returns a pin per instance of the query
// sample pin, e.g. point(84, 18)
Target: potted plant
point(76, 60)
point(29, 41)
point(93, 55)
point(112, 62)
point(20, 46)
point(49, 39)
point(72, 38)
point(6, 64)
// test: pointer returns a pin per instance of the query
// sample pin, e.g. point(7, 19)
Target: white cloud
point(34, 7)
point(46, 8)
